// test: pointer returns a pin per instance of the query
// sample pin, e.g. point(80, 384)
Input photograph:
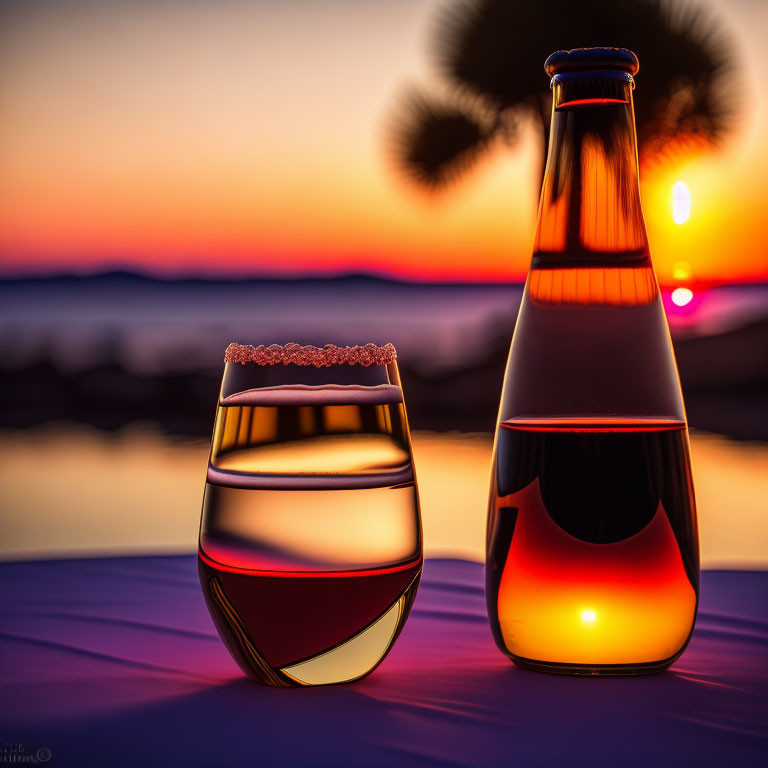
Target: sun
point(681, 296)
point(681, 202)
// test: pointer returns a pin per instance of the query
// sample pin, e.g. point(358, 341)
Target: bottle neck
point(590, 213)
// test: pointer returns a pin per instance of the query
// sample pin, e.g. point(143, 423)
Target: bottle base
point(593, 670)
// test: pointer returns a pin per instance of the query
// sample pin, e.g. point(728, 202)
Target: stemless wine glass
point(310, 540)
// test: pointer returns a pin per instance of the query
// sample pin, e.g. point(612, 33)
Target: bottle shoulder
point(591, 359)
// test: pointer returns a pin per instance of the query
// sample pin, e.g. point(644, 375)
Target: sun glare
point(681, 202)
point(682, 296)
point(588, 616)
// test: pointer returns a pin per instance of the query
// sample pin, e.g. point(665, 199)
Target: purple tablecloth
point(114, 662)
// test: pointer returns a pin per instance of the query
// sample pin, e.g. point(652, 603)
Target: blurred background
point(181, 174)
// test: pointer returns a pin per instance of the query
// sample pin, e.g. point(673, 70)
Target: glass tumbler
point(310, 547)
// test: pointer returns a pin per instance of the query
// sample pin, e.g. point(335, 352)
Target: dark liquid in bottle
point(592, 562)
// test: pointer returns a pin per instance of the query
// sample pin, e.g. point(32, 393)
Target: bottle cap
point(591, 59)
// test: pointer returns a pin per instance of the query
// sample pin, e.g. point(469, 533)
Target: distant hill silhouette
point(125, 277)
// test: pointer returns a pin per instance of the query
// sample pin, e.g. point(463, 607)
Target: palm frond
point(700, 100)
point(434, 141)
point(491, 52)
point(484, 47)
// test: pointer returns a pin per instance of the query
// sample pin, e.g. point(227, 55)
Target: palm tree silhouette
point(491, 53)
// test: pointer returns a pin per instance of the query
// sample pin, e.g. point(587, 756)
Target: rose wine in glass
point(310, 542)
point(592, 551)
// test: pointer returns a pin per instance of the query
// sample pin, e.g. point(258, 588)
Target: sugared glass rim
point(319, 357)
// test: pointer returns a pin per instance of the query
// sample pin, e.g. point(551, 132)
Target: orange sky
point(248, 137)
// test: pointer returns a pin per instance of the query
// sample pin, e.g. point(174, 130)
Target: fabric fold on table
point(114, 661)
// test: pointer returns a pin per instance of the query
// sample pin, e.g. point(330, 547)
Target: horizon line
point(235, 277)
point(232, 277)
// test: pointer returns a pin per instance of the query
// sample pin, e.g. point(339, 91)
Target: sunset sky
point(247, 137)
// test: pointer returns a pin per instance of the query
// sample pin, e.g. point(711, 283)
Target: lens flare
point(681, 270)
point(682, 296)
point(681, 202)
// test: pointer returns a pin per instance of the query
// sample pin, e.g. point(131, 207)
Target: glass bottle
point(592, 548)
